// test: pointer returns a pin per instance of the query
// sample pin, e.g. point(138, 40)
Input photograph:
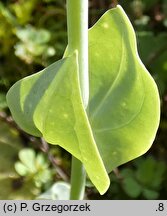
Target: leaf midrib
point(98, 108)
point(136, 115)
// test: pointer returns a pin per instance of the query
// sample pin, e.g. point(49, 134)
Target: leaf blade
point(126, 98)
point(51, 104)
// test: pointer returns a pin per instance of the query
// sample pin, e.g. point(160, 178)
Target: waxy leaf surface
point(124, 108)
point(49, 104)
point(123, 111)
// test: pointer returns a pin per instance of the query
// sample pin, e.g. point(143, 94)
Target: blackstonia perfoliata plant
point(120, 121)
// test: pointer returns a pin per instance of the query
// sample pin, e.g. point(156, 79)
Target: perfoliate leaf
point(123, 111)
point(49, 103)
point(124, 108)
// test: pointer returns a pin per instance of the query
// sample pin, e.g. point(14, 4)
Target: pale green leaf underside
point(124, 103)
point(50, 105)
point(123, 112)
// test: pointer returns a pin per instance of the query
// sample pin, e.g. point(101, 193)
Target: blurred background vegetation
point(32, 36)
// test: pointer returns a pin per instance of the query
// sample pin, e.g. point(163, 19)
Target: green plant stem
point(77, 20)
point(78, 176)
